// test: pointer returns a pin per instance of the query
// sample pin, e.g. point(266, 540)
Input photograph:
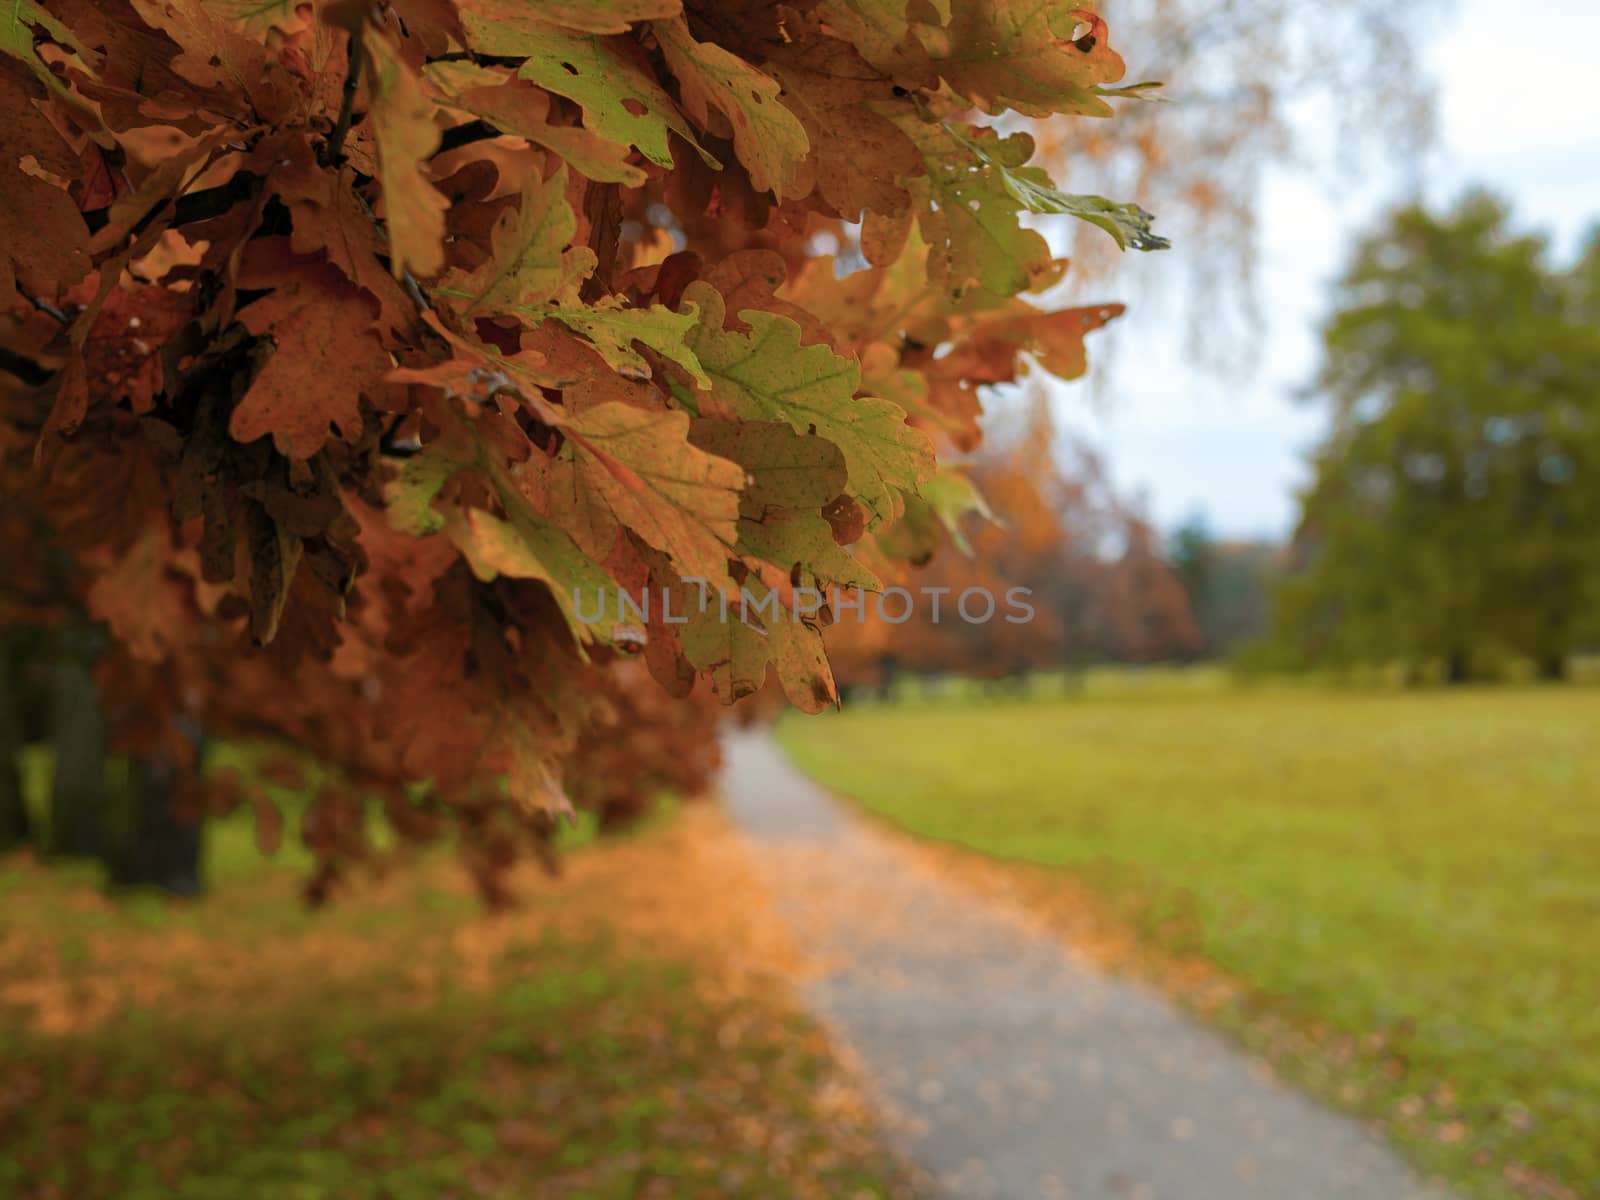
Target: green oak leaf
point(786, 537)
point(522, 544)
point(952, 495)
point(882, 34)
point(913, 538)
point(969, 218)
point(1133, 91)
point(525, 546)
point(786, 469)
point(718, 641)
point(1127, 223)
point(533, 260)
point(409, 496)
point(1031, 187)
point(674, 495)
point(736, 652)
point(801, 661)
point(620, 98)
point(613, 326)
point(767, 137)
point(16, 39)
point(522, 109)
point(767, 375)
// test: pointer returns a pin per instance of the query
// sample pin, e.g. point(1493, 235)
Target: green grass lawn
point(403, 1044)
point(1407, 884)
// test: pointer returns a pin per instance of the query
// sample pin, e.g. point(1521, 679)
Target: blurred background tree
point(1248, 85)
point(1451, 519)
point(1096, 575)
point(1227, 581)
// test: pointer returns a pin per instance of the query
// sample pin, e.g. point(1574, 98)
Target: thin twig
point(44, 306)
point(333, 149)
point(414, 290)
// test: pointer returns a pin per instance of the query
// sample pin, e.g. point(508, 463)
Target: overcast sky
point(1191, 442)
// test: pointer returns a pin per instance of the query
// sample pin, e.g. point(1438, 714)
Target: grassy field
point(1407, 885)
point(626, 1033)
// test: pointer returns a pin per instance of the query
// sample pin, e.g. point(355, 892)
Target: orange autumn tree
point(1076, 569)
point(354, 351)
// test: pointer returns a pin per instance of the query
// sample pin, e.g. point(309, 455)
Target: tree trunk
point(16, 829)
point(153, 847)
point(1455, 667)
point(78, 797)
point(888, 672)
point(1553, 668)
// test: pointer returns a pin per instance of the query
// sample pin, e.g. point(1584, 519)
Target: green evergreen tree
point(1452, 517)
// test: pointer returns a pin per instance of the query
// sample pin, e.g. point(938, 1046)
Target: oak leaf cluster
point(348, 347)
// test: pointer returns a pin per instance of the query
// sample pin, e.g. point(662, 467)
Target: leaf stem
point(333, 149)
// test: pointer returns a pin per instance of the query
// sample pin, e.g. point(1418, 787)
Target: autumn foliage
point(347, 347)
point(1076, 570)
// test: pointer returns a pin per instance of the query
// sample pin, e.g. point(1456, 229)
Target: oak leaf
point(767, 137)
point(533, 260)
point(803, 542)
point(1038, 58)
point(785, 468)
point(717, 641)
point(479, 371)
point(330, 216)
point(801, 662)
point(590, 16)
point(612, 327)
point(325, 358)
point(402, 121)
point(1055, 339)
point(678, 498)
point(214, 53)
point(768, 375)
point(274, 555)
point(43, 242)
point(969, 218)
point(952, 495)
point(17, 34)
point(736, 639)
point(858, 155)
point(143, 600)
point(621, 99)
point(519, 108)
point(409, 496)
point(523, 545)
point(883, 34)
point(1031, 187)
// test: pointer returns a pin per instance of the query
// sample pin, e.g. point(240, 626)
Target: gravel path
point(1009, 1067)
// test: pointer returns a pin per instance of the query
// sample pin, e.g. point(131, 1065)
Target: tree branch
point(189, 208)
point(481, 60)
point(464, 135)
